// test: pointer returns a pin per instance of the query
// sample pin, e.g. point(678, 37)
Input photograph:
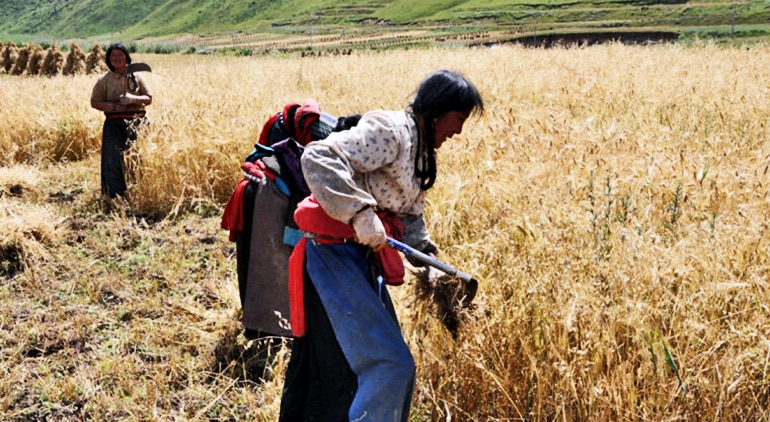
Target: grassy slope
point(155, 18)
point(73, 18)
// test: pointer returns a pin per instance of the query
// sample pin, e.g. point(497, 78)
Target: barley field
point(612, 201)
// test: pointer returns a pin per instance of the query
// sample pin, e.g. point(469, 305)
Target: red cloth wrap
point(390, 261)
point(306, 114)
point(311, 218)
point(232, 218)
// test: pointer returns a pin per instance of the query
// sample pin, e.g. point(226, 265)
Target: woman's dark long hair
point(441, 92)
point(116, 46)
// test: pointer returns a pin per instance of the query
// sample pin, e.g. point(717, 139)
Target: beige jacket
point(371, 164)
point(110, 86)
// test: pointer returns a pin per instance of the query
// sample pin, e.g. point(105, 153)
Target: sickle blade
point(138, 67)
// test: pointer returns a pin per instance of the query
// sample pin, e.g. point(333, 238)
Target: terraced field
point(557, 23)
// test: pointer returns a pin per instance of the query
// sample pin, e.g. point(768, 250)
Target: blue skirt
point(357, 322)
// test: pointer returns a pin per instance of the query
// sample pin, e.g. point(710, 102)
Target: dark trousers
point(117, 137)
point(319, 384)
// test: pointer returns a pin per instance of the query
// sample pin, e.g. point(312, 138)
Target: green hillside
point(36, 20)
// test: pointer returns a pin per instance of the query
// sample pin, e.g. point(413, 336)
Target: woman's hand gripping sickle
point(369, 229)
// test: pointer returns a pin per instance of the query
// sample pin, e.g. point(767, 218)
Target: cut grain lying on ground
point(612, 202)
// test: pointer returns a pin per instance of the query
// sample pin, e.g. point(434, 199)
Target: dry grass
point(613, 202)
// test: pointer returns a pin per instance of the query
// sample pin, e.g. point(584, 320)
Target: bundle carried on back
point(260, 213)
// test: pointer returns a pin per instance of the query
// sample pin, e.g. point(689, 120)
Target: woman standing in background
point(122, 96)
